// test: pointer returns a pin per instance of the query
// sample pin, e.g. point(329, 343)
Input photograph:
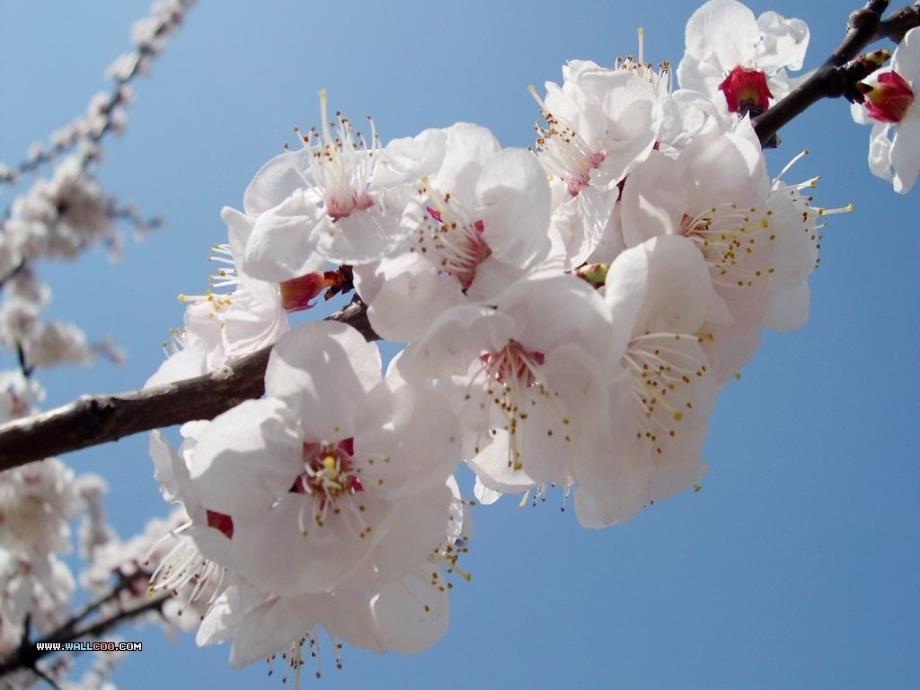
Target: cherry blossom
point(477, 224)
point(894, 113)
point(745, 58)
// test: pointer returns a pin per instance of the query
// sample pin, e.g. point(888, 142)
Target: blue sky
point(795, 566)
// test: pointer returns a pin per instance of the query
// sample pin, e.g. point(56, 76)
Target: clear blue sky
point(797, 564)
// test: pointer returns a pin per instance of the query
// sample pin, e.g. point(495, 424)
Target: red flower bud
point(746, 91)
point(889, 100)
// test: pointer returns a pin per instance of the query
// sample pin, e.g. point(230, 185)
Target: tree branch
point(28, 654)
point(838, 75)
point(92, 420)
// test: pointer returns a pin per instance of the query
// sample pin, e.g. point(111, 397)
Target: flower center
point(746, 91)
point(514, 363)
point(329, 473)
point(563, 151)
point(451, 240)
point(342, 165)
point(663, 367)
point(729, 238)
point(510, 377)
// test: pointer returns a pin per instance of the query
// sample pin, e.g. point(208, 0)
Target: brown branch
point(94, 419)
point(28, 654)
point(838, 75)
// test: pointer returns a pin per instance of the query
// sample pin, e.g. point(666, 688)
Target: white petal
point(788, 308)
point(321, 370)
point(245, 458)
point(411, 614)
point(660, 285)
point(724, 31)
point(785, 42)
point(280, 246)
point(275, 555)
point(484, 494)
point(405, 305)
point(276, 181)
point(412, 436)
point(417, 529)
point(513, 199)
point(905, 152)
point(906, 58)
point(272, 627)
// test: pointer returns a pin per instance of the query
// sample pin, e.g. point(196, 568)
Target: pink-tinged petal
point(724, 30)
point(905, 153)
point(278, 179)
point(412, 614)
point(245, 459)
point(322, 370)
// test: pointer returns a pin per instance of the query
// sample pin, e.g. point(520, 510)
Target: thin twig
point(92, 420)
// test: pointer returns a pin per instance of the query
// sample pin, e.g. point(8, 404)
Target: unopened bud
point(874, 60)
point(889, 99)
point(593, 274)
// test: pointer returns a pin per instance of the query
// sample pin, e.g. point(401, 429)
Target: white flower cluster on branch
point(570, 313)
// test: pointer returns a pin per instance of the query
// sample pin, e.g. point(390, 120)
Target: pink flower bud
point(746, 91)
point(890, 98)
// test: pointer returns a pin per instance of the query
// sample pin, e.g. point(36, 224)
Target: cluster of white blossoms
point(38, 504)
point(62, 215)
point(569, 314)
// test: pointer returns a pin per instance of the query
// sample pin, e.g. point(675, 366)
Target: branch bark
point(833, 79)
point(95, 419)
point(28, 654)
